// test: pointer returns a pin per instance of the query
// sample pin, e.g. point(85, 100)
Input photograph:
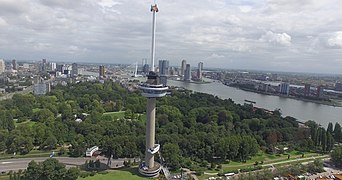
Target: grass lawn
point(36, 110)
point(30, 123)
point(121, 115)
point(4, 177)
point(115, 115)
point(130, 174)
point(261, 156)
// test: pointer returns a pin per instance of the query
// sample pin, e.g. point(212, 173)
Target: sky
point(278, 35)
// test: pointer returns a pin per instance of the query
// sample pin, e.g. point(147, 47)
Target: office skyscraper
point(199, 70)
point(102, 71)
point(14, 64)
point(2, 66)
point(74, 71)
point(53, 66)
point(163, 71)
point(163, 67)
point(187, 73)
point(183, 66)
point(284, 88)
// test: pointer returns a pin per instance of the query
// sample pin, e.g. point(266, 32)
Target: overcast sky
point(286, 35)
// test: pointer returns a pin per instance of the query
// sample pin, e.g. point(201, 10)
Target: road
point(22, 163)
point(10, 95)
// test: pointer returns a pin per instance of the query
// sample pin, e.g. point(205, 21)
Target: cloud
point(215, 56)
point(335, 40)
point(277, 38)
point(119, 31)
point(3, 22)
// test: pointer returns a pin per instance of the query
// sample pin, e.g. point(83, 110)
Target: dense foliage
point(49, 169)
point(200, 128)
point(336, 156)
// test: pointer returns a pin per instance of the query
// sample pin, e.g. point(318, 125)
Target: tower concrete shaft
point(150, 131)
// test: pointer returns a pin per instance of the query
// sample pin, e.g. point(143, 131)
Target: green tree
point(171, 154)
point(330, 128)
point(50, 142)
point(34, 171)
point(72, 174)
point(315, 167)
point(336, 156)
point(338, 132)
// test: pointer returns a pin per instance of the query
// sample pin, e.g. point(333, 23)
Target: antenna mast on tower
point(154, 10)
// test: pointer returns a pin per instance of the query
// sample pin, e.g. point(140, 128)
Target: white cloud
point(3, 22)
point(335, 40)
point(277, 38)
point(245, 9)
point(248, 32)
point(215, 56)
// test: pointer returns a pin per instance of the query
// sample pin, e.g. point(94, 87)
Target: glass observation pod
point(155, 149)
point(153, 91)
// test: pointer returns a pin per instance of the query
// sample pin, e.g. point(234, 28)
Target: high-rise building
point(2, 66)
point(187, 73)
point(199, 70)
point(183, 66)
point(53, 66)
point(14, 64)
point(60, 68)
point(151, 89)
point(74, 71)
point(102, 71)
point(163, 71)
point(307, 90)
point(42, 66)
point(284, 88)
point(163, 67)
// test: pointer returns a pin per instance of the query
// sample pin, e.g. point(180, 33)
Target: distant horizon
point(192, 66)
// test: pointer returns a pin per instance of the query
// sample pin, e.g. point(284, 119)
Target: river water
point(303, 111)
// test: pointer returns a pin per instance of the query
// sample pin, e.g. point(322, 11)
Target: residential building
point(53, 66)
point(14, 64)
point(187, 73)
point(183, 66)
point(163, 67)
point(74, 71)
point(284, 88)
point(2, 66)
point(199, 70)
point(102, 71)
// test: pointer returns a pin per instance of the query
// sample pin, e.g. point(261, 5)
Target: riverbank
point(328, 103)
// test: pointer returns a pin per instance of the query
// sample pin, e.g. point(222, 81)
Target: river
point(302, 110)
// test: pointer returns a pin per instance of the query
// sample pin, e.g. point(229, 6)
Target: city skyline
point(272, 35)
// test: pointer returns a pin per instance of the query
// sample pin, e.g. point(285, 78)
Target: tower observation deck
point(151, 89)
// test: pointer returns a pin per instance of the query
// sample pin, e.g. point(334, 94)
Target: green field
point(115, 115)
point(121, 115)
point(129, 174)
point(29, 122)
point(261, 156)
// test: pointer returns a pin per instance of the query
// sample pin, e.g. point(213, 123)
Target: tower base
point(150, 172)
